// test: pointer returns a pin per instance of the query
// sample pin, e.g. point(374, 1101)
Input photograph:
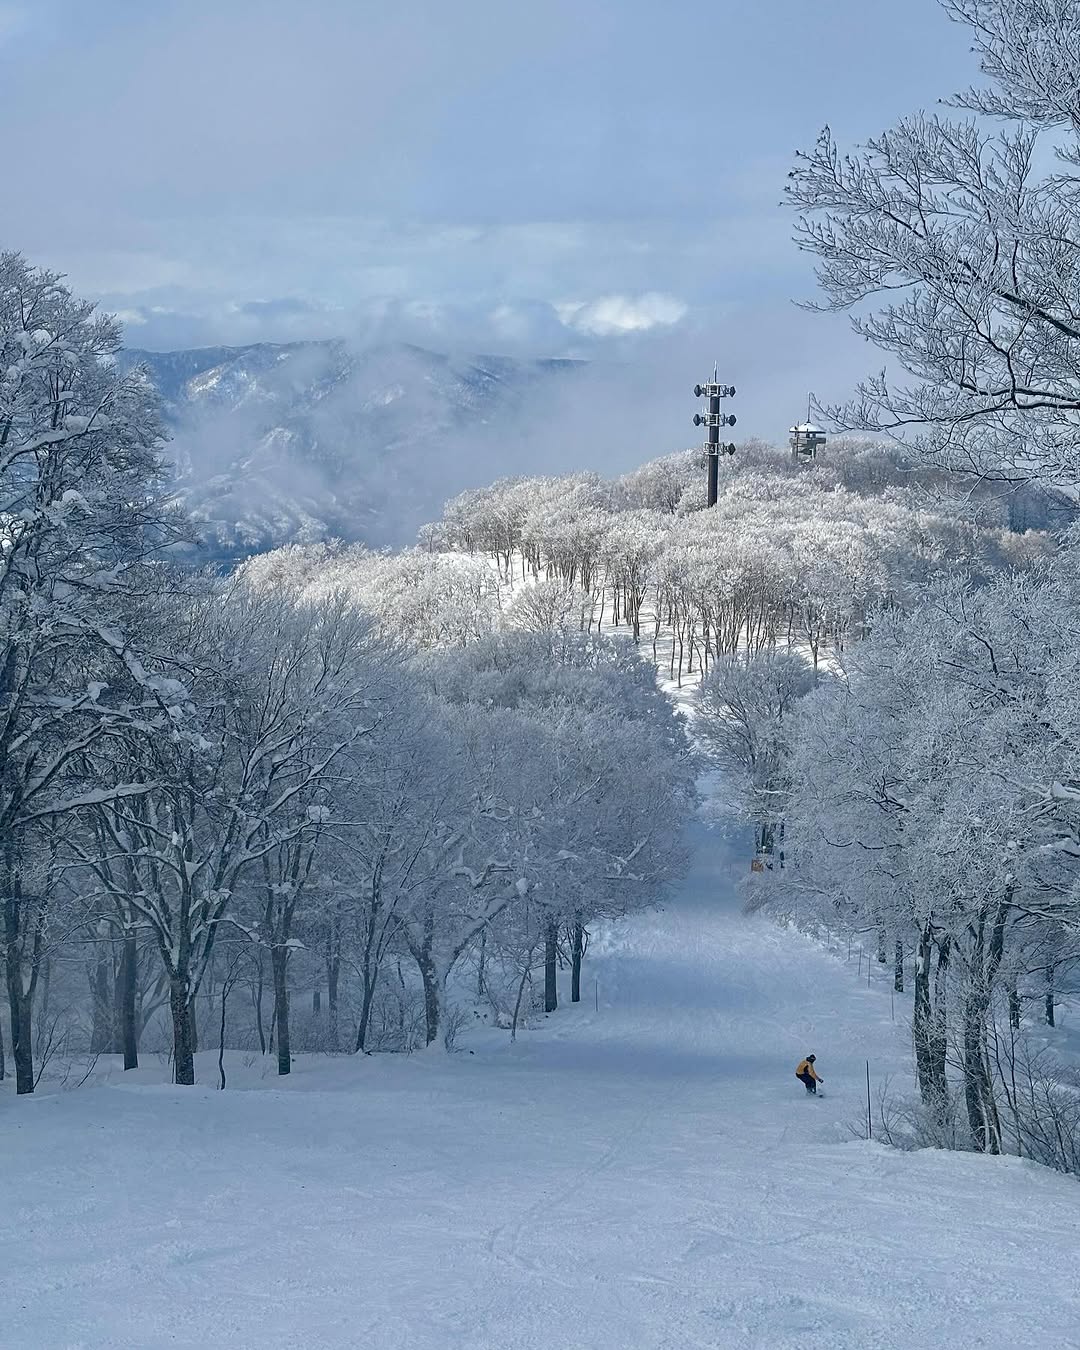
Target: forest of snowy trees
point(889, 675)
point(343, 800)
point(216, 791)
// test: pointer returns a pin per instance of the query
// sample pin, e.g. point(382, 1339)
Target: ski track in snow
point(648, 1175)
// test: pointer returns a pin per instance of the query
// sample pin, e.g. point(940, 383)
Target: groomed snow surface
point(646, 1175)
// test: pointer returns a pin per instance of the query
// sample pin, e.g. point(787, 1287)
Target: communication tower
point(714, 419)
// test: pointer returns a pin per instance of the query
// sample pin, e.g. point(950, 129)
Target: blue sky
point(597, 178)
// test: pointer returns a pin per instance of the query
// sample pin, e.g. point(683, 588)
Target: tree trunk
point(480, 965)
point(221, 1037)
point(928, 1022)
point(978, 1084)
point(367, 998)
point(102, 993)
point(183, 1021)
point(3, 1061)
point(1014, 1008)
point(21, 1007)
point(551, 952)
point(333, 970)
point(45, 967)
point(520, 995)
point(128, 989)
point(117, 1002)
point(279, 960)
point(257, 1000)
point(939, 1022)
point(898, 966)
point(577, 951)
point(22, 942)
point(1049, 1001)
point(921, 1028)
point(432, 997)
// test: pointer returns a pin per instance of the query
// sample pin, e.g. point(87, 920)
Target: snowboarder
point(805, 1073)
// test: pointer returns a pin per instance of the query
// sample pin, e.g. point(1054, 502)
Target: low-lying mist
point(332, 439)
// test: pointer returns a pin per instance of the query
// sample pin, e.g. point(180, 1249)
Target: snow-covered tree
point(81, 515)
point(933, 799)
point(549, 605)
point(420, 599)
point(396, 805)
point(956, 244)
point(279, 692)
point(745, 708)
point(597, 807)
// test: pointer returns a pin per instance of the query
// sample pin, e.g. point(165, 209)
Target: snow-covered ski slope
point(646, 1175)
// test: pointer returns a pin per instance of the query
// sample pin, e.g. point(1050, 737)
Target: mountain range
point(303, 441)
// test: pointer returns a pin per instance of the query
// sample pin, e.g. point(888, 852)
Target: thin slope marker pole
point(869, 1117)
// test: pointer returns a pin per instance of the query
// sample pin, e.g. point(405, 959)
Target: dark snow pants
point(811, 1083)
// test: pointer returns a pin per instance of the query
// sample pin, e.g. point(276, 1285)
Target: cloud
point(519, 289)
point(285, 306)
point(513, 327)
point(509, 178)
point(617, 315)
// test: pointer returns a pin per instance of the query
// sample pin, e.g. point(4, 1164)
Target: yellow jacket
point(806, 1067)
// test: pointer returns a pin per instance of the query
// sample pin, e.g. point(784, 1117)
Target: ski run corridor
point(645, 1174)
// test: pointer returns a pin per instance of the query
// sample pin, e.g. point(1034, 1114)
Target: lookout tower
point(806, 440)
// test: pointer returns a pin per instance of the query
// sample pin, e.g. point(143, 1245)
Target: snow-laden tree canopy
point(81, 518)
point(954, 242)
point(932, 796)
